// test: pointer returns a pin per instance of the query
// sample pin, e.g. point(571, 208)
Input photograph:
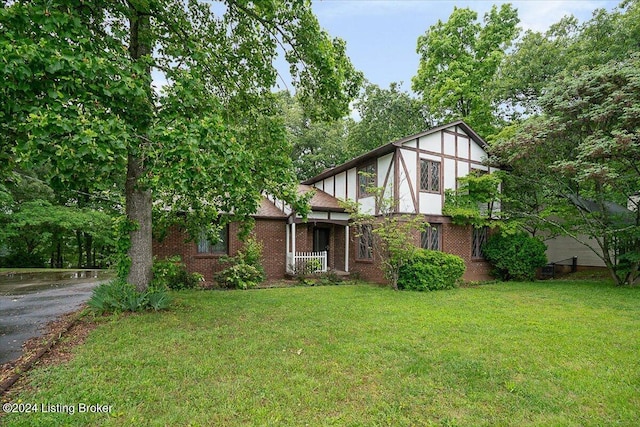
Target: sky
point(381, 35)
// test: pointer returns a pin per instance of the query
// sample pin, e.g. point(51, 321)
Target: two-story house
point(415, 171)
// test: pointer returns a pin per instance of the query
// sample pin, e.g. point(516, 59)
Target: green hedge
point(431, 270)
point(515, 256)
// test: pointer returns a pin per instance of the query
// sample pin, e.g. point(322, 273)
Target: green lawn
point(547, 353)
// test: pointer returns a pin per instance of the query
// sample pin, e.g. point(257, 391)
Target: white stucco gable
point(415, 170)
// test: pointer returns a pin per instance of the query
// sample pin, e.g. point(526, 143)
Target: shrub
point(245, 270)
point(23, 259)
point(429, 270)
point(330, 278)
point(171, 273)
point(119, 296)
point(515, 256)
point(239, 276)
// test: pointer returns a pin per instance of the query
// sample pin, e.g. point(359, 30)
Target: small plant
point(171, 273)
point(119, 296)
point(245, 270)
point(429, 270)
point(515, 256)
point(239, 276)
point(158, 300)
point(310, 266)
point(329, 278)
point(305, 281)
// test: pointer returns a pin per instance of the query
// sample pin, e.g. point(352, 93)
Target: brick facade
point(455, 239)
point(271, 232)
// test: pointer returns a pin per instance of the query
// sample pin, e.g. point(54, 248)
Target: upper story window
point(366, 179)
point(220, 247)
point(429, 176)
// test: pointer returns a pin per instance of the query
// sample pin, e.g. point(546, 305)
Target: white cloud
point(540, 15)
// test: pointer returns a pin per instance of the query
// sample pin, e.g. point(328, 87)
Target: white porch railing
point(306, 262)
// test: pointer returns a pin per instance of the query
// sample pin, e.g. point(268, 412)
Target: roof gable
point(391, 146)
point(321, 201)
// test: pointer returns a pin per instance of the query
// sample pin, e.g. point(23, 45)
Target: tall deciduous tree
point(458, 62)
point(77, 93)
point(538, 58)
point(316, 144)
point(385, 115)
point(589, 135)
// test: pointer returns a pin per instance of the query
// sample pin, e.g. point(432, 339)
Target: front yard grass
point(562, 353)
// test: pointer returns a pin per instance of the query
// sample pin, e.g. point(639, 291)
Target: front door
point(321, 240)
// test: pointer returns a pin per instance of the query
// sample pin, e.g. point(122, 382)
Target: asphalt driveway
point(29, 301)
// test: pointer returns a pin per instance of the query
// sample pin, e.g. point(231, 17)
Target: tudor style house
point(415, 171)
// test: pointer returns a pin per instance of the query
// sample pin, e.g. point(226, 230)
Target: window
point(429, 176)
point(479, 239)
point(205, 246)
point(365, 243)
point(430, 238)
point(366, 179)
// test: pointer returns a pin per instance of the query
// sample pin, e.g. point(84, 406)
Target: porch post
point(346, 248)
point(293, 238)
point(286, 227)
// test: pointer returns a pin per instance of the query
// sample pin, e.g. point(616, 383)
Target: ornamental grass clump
point(119, 296)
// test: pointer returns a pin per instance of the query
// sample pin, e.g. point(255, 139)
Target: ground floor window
point(365, 243)
point(430, 238)
point(219, 247)
point(479, 239)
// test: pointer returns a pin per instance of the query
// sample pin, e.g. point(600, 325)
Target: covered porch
point(317, 246)
point(320, 242)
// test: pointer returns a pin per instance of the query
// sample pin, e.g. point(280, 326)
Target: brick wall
point(364, 269)
point(456, 240)
point(270, 232)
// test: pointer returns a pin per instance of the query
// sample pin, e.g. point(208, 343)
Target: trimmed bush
point(429, 270)
point(515, 256)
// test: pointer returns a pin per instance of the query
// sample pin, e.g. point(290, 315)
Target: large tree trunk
point(138, 198)
point(139, 207)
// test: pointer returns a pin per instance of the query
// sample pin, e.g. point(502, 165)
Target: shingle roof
point(268, 210)
point(615, 214)
point(321, 201)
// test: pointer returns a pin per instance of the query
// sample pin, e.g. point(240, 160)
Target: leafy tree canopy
point(458, 62)
point(385, 115)
point(316, 144)
point(567, 46)
point(77, 94)
point(586, 145)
